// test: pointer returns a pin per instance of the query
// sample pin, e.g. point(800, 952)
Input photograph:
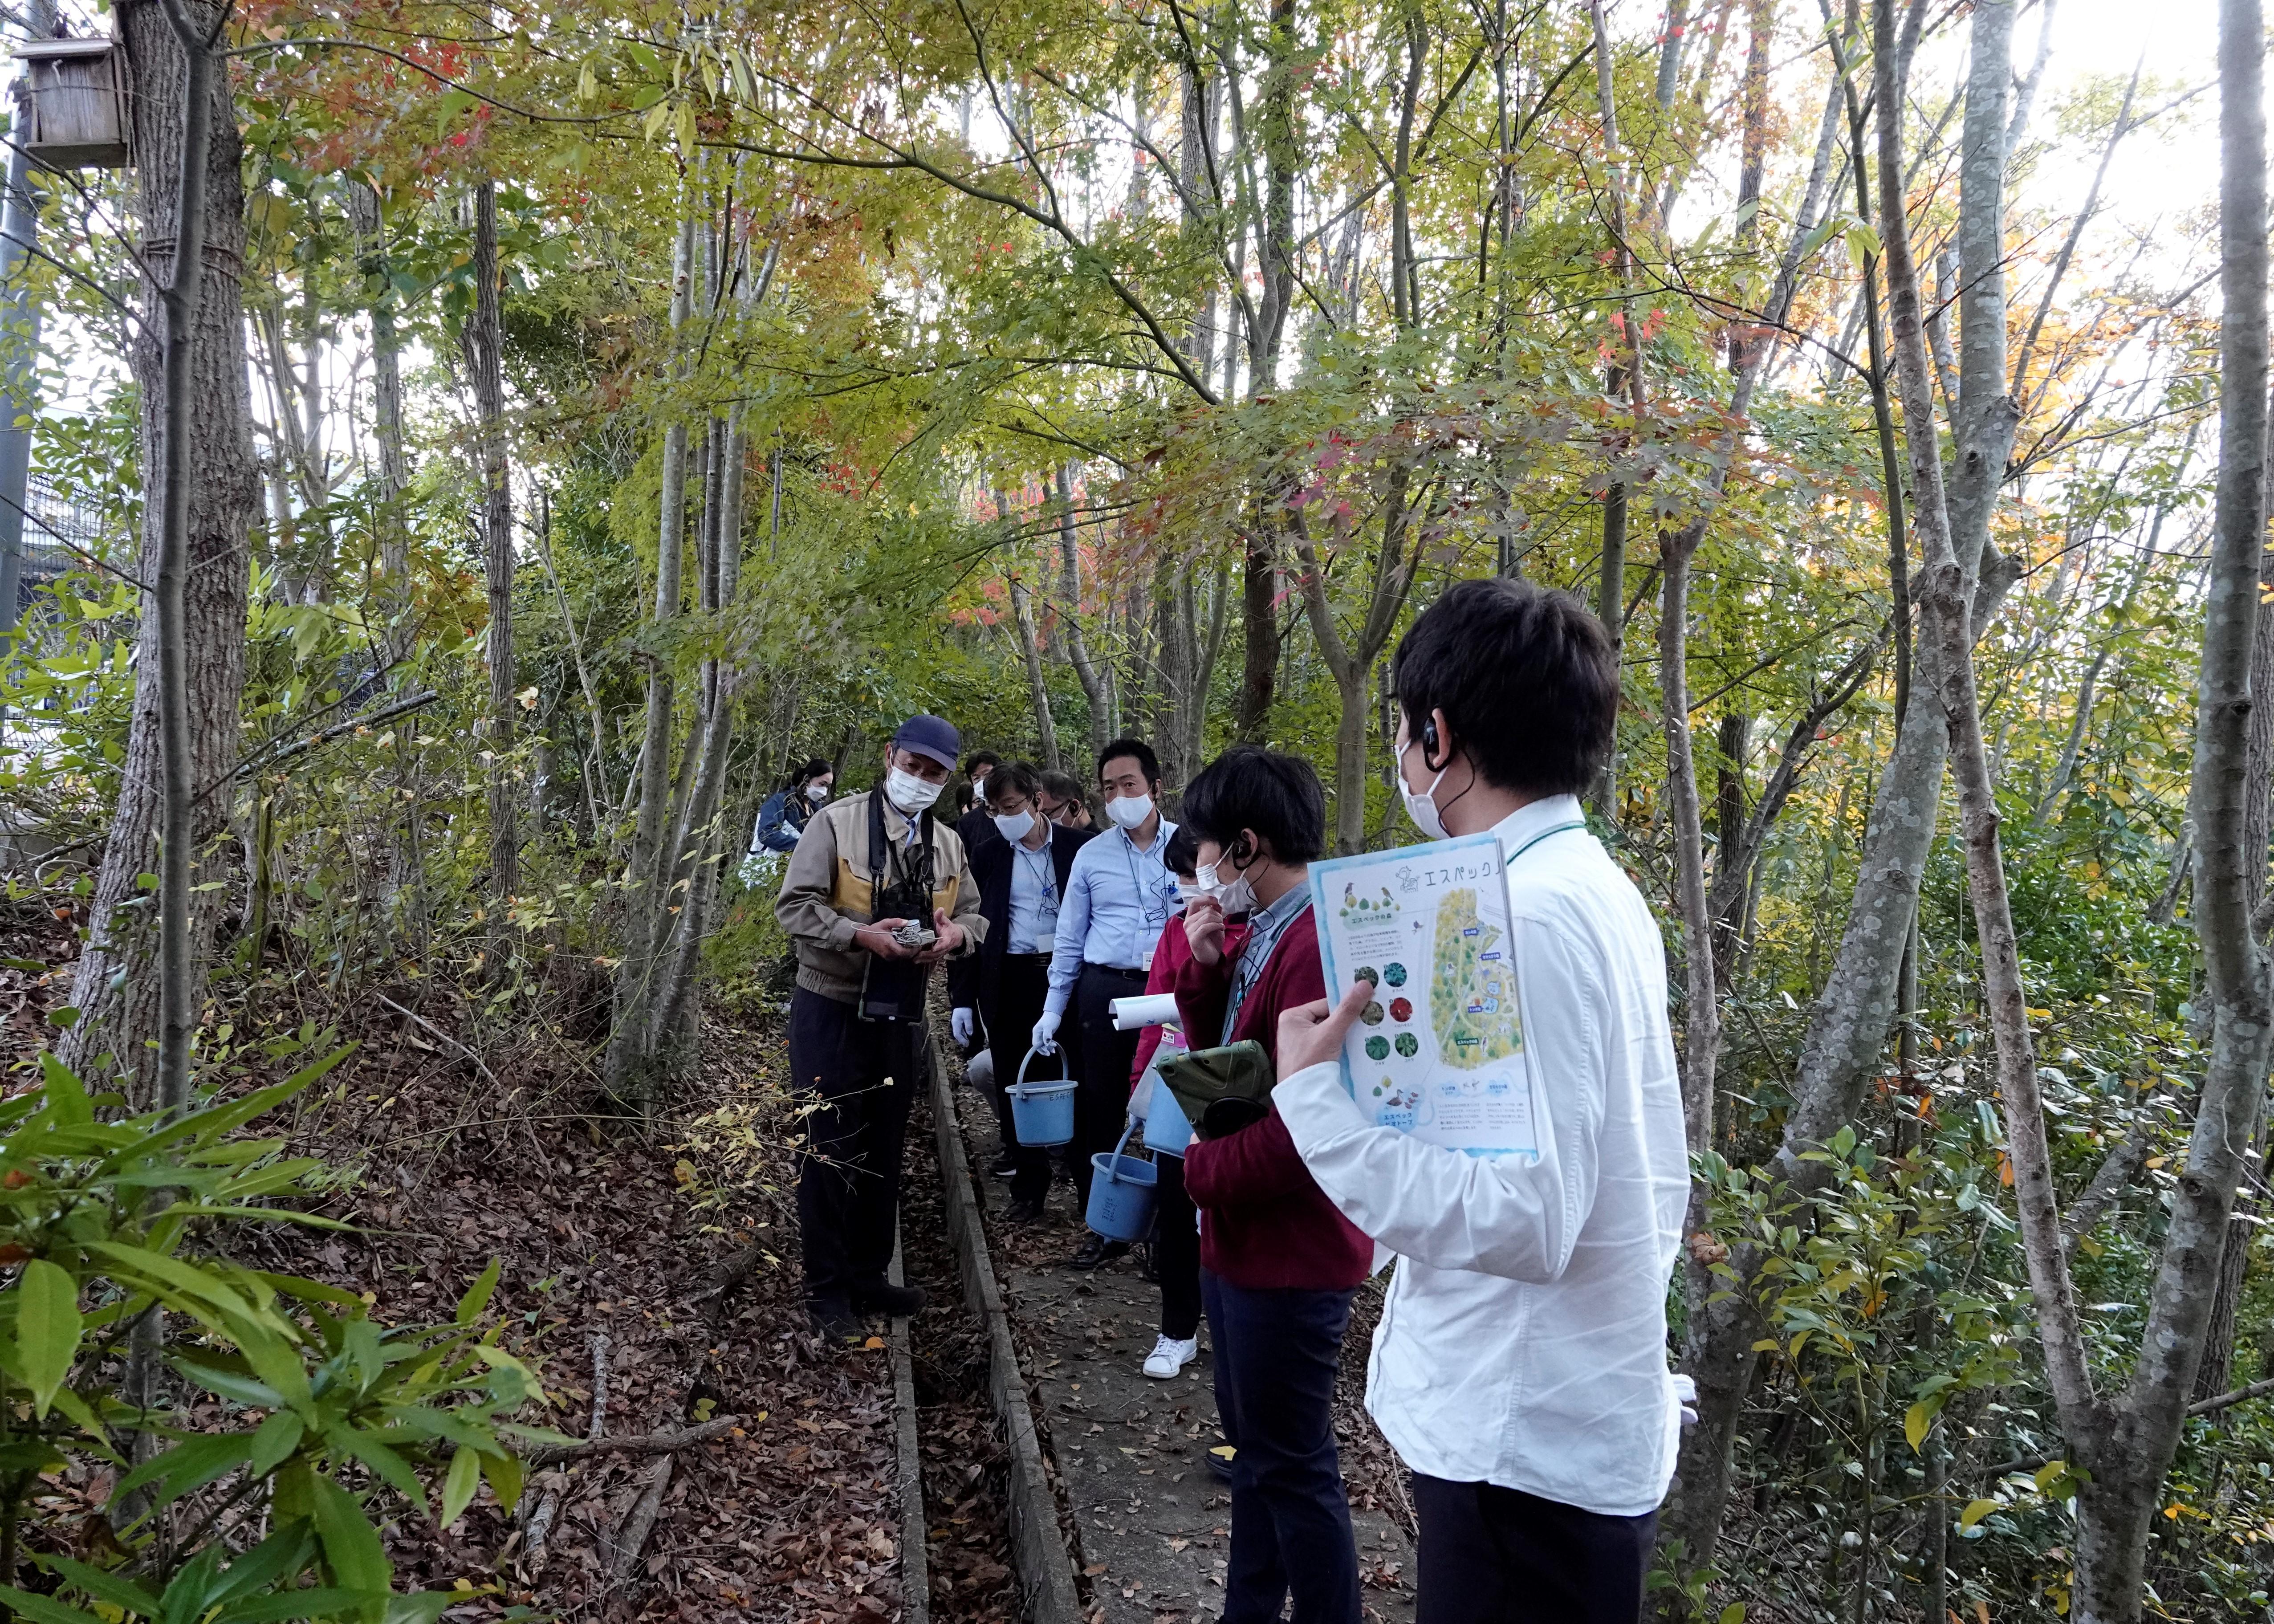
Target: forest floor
point(441, 1161)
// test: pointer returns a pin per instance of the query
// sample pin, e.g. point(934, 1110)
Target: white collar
point(1536, 818)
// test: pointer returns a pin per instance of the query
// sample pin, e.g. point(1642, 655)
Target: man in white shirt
point(1520, 1366)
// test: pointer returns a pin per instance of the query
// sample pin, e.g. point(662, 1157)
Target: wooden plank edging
point(915, 1569)
point(1038, 1550)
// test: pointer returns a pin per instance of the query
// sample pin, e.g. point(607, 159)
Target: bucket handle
point(1029, 1060)
point(1113, 1167)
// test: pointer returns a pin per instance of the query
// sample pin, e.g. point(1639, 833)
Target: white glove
point(1045, 1039)
point(1685, 1393)
point(958, 1024)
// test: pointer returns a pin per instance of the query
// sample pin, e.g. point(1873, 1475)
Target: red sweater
point(1172, 958)
point(1265, 1225)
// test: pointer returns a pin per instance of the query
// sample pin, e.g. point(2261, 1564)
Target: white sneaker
point(1170, 1356)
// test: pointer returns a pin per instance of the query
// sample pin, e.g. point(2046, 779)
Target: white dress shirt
point(1523, 1343)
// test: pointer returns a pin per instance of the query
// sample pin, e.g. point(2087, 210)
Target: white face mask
point(1187, 890)
point(1237, 894)
point(1016, 826)
point(1420, 807)
point(1129, 811)
point(910, 793)
point(817, 793)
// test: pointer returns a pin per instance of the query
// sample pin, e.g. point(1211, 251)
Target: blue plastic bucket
point(1166, 1130)
point(1042, 1113)
point(1121, 1194)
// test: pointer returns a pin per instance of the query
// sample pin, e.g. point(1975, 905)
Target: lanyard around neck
point(1577, 823)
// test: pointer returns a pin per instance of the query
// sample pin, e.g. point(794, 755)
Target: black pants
point(1101, 1108)
point(860, 1076)
point(1491, 1555)
point(1275, 1357)
point(1011, 1005)
point(1176, 1250)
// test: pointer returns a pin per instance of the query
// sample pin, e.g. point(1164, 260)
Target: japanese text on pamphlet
point(1439, 1051)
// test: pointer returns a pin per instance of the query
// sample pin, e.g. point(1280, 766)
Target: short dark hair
point(1011, 776)
point(1065, 786)
point(1527, 679)
point(1275, 794)
point(977, 759)
point(1182, 855)
point(1138, 751)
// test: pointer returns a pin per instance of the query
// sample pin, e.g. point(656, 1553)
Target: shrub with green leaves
point(326, 1411)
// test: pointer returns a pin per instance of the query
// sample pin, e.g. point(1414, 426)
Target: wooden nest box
point(74, 104)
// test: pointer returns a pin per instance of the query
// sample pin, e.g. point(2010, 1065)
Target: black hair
point(1010, 775)
point(1062, 785)
point(1276, 795)
point(1527, 679)
point(1137, 750)
point(811, 771)
point(977, 759)
point(1182, 855)
point(965, 798)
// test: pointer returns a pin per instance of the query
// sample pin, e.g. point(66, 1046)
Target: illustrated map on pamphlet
point(1438, 1052)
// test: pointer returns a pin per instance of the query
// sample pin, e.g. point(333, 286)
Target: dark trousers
point(859, 1077)
point(1176, 1250)
point(1491, 1555)
point(1276, 1353)
point(1104, 1061)
point(1011, 1004)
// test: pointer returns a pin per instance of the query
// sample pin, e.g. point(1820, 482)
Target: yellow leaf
point(1976, 1511)
point(684, 1172)
point(1916, 1420)
point(874, 1341)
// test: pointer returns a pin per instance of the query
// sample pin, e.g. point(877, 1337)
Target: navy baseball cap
point(933, 737)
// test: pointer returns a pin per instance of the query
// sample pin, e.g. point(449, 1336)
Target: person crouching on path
point(1021, 872)
point(870, 873)
point(1520, 1366)
point(1279, 1263)
point(1176, 1226)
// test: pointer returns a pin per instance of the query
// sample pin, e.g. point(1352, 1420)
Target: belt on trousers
point(1028, 957)
point(1107, 969)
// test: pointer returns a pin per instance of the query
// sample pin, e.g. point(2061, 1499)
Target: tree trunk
point(1046, 729)
point(484, 353)
point(2215, 1375)
point(196, 418)
point(1094, 682)
point(1259, 603)
point(643, 876)
point(1850, 1019)
point(1702, 1018)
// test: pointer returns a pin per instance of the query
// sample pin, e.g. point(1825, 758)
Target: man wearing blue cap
point(877, 893)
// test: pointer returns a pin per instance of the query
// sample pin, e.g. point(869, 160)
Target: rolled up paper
point(1154, 1010)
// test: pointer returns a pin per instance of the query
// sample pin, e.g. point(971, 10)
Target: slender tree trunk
point(1852, 1016)
point(485, 350)
point(643, 873)
point(2216, 1374)
point(1022, 617)
point(1702, 1018)
point(1094, 680)
point(199, 469)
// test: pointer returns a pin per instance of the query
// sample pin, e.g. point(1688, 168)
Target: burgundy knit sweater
point(1264, 1224)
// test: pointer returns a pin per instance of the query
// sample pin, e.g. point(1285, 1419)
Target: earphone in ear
point(1429, 744)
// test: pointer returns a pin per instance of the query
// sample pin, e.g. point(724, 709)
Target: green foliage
point(325, 1412)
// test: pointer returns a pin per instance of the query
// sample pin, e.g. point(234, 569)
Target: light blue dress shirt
point(1117, 901)
point(1034, 899)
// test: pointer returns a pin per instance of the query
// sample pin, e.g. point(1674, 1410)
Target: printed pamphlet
point(1438, 1052)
